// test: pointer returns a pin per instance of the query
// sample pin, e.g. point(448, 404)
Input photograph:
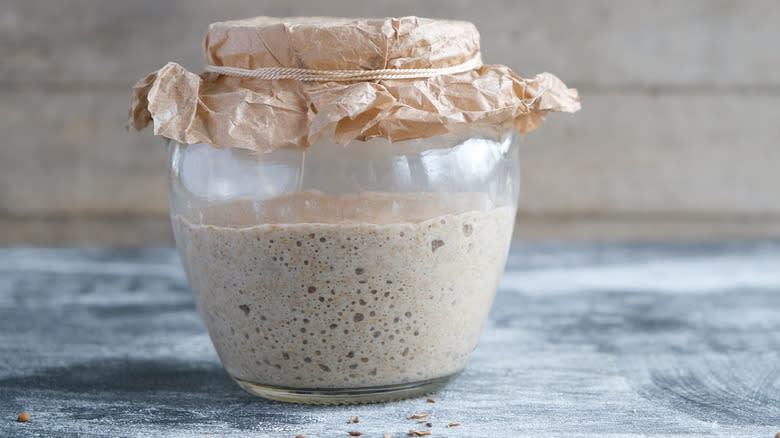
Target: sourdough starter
point(345, 303)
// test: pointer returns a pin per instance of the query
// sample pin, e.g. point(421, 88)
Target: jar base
point(345, 396)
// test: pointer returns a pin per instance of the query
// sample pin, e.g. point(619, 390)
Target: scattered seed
point(354, 420)
point(354, 433)
point(300, 436)
point(387, 435)
point(428, 424)
point(420, 421)
point(23, 417)
point(431, 400)
point(453, 425)
point(416, 416)
point(419, 433)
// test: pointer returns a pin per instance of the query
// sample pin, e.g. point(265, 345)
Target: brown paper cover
point(264, 115)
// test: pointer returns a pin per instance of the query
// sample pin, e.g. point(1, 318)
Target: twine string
point(305, 74)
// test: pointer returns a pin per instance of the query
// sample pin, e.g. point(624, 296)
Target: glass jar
point(342, 274)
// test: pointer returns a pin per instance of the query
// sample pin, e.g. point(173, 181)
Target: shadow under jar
point(343, 194)
point(345, 273)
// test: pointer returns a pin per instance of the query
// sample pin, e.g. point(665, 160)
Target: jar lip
point(448, 140)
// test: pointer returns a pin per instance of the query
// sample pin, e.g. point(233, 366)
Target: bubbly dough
point(345, 305)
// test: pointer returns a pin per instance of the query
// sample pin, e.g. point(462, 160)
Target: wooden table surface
point(584, 340)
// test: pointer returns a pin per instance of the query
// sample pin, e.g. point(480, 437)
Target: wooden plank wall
point(679, 134)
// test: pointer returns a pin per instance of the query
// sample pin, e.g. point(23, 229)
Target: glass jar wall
point(345, 273)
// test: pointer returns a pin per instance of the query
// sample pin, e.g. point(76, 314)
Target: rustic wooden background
point(679, 136)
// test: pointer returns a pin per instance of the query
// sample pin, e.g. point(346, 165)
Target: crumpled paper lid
point(267, 114)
